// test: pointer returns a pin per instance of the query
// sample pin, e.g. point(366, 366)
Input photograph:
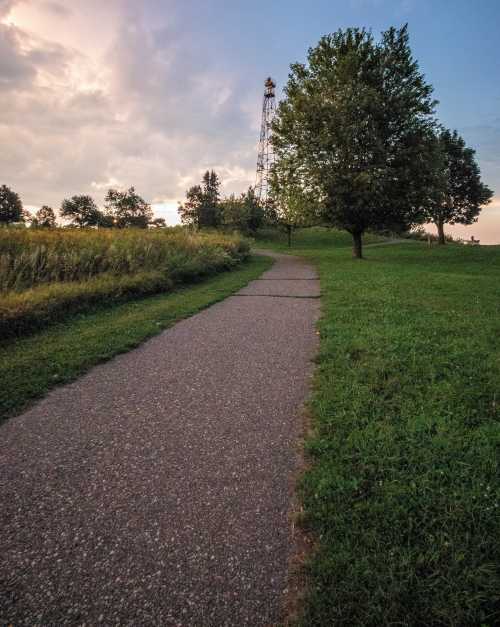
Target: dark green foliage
point(11, 207)
point(201, 208)
point(81, 211)
point(459, 194)
point(403, 490)
point(127, 209)
point(32, 365)
point(355, 122)
point(244, 213)
point(44, 218)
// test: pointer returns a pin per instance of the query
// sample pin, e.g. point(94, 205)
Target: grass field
point(402, 496)
point(31, 365)
point(48, 274)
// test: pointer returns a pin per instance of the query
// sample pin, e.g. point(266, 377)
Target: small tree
point(294, 204)
point(44, 218)
point(128, 209)
point(27, 219)
point(244, 213)
point(209, 210)
point(190, 211)
point(356, 119)
point(253, 209)
point(459, 193)
point(11, 207)
point(201, 208)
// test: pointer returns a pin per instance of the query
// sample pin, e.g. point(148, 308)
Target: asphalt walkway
point(155, 490)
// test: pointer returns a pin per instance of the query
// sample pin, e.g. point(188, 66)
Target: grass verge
point(32, 365)
point(403, 491)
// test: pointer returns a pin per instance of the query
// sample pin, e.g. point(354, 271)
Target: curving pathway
point(155, 490)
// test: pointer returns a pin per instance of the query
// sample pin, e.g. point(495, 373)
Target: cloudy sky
point(99, 93)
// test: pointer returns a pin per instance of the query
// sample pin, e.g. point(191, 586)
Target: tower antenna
point(265, 158)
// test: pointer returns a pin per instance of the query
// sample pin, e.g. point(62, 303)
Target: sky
point(151, 93)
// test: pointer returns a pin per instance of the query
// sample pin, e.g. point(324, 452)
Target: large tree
point(128, 209)
point(202, 208)
point(11, 207)
point(82, 211)
point(459, 192)
point(356, 118)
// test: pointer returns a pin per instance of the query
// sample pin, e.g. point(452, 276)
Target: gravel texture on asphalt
point(155, 490)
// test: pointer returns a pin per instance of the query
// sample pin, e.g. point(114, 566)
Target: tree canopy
point(356, 119)
point(11, 207)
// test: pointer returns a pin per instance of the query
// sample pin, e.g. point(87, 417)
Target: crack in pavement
point(277, 296)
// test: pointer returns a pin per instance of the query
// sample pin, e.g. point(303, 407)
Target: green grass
point(309, 239)
point(32, 365)
point(403, 491)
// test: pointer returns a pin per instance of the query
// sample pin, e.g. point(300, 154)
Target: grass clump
point(403, 492)
point(46, 275)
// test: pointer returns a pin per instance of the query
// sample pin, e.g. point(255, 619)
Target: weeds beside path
point(403, 492)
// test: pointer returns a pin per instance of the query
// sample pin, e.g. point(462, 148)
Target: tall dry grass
point(33, 257)
point(46, 275)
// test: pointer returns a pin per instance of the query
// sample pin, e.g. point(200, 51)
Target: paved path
point(155, 489)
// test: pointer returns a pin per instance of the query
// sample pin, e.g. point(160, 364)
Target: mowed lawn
point(402, 495)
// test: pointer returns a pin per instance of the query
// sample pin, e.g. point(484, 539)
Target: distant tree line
point(122, 209)
point(204, 207)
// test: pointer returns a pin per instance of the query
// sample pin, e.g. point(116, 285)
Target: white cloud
point(143, 106)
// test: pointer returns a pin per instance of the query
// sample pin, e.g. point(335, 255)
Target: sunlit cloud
point(100, 96)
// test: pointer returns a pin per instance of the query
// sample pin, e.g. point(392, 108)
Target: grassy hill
point(403, 493)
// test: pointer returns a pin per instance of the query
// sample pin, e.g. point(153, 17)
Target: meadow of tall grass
point(48, 273)
point(30, 257)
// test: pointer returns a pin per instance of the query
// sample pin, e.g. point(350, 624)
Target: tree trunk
point(440, 227)
point(289, 232)
point(357, 245)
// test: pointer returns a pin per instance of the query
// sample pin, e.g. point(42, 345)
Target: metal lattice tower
point(265, 157)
